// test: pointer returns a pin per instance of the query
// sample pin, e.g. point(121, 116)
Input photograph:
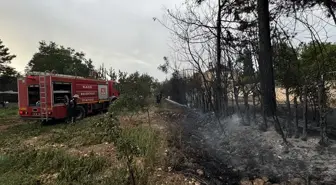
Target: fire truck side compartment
point(61, 91)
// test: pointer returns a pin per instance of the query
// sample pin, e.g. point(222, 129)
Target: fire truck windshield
point(33, 95)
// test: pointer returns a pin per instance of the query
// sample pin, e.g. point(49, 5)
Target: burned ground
point(230, 153)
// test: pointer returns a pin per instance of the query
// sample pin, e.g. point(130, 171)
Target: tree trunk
point(323, 124)
point(305, 123)
point(198, 97)
point(235, 89)
point(254, 106)
point(279, 129)
point(314, 109)
point(204, 103)
point(289, 115)
point(196, 100)
point(247, 107)
point(297, 134)
point(232, 103)
point(265, 59)
point(210, 101)
point(218, 66)
point(265, 126)
point(316, 114)
point(236, 93)
point(225, 96)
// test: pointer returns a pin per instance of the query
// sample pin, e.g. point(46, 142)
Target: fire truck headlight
point(21, 112)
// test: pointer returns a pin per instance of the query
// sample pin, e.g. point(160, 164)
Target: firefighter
point(73, 107)
point(159, 97)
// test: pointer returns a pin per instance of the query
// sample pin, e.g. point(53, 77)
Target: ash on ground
point(251, 151)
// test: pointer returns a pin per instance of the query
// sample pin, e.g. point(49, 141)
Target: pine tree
point(5, 58)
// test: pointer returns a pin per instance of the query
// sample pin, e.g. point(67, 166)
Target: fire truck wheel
point(80, 113)
point(113, 99)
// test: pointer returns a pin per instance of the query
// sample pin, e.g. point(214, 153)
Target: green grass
point(148, 141)
point(24, 164)
point(82, 133)
point(13, 136)
point(32, 164)
point(145, 138)
point(8, 112)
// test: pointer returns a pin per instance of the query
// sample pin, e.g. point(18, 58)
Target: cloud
point(120, 34)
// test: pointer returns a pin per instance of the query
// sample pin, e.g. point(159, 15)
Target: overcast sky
point(120, 34)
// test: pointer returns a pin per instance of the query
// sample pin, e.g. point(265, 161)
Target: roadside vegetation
point(123, 146)
point(8, 112)
point(8, 117)
point(63, 154)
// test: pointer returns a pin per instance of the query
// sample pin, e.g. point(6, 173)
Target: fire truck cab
point(45, 95)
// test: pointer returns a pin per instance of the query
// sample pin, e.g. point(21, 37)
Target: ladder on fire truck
point(43, 96)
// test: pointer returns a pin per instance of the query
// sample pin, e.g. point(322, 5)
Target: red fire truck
point(45, 95)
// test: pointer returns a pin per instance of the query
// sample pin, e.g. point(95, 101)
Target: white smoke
point(251, 151)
